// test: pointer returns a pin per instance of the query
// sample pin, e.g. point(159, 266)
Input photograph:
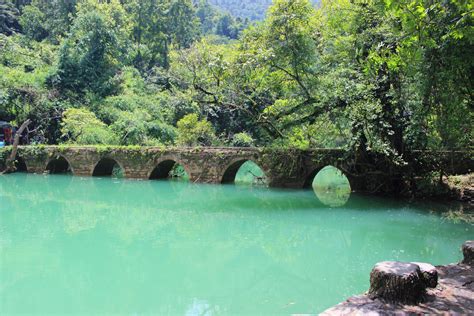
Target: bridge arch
point(59, 164)
point(231, 170)
point(163, 168)
point(312, 175)
point(20, 164)
point(105, 167)
point(330, 185)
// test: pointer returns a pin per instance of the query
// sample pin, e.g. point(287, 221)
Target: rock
point(468, 252)
point(453, 296)
point(429, 274)
point(398, 282)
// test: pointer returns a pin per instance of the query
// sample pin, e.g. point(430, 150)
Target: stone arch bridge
point(283, 167)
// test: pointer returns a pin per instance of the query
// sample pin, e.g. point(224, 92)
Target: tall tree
point(9, 15)
point(157, 25)
point(182, 23)
point(58, 16)
point(88, 57)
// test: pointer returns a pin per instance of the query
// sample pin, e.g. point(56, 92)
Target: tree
point(33, 23)
point(58, 16)
point(225, 27)
point(379, 121)
point(19, 4)
point(182, 23)
point(10, 162)
point(156, 26)
point(80, 126)
point(88, 57)
point(211, 72)
point(206, 14)
point(195, 132)
point(269, 75)
point(116, 20)
point(8, 18)
point(242, 140)
point(439, 44)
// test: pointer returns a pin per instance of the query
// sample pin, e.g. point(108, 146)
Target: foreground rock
point(397, 282)
point(468, 252)
point(429, 274)
point(453, 291)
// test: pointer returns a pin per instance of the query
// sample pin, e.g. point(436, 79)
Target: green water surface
point(71, 245)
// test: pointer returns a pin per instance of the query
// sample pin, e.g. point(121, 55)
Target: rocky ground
point(462, 186)
point(454, 295)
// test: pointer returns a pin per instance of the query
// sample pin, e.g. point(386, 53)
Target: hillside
point(251, 9)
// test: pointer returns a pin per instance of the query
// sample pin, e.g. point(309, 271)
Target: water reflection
point(250, 173)
point(201, 308)
point(332, 187)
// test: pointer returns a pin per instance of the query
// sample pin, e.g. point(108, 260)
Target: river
point(115, 246)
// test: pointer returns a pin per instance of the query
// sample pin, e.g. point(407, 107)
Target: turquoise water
point(250, 173)
point(109, 246)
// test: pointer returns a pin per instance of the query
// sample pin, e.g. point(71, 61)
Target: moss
point(4, 153)
point(282, 161)
point(62, 148)
point(33, 151)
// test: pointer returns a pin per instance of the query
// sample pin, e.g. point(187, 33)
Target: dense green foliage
point(195, 132)
point(375, 76)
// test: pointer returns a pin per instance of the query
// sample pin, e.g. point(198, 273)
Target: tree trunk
point(10, 163)
point(468, 252)
point(397, 282)
point(429, 274)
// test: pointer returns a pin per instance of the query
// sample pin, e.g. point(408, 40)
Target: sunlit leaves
point(195, 132)
point(80, 126)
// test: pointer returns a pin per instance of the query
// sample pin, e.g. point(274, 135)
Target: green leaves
point(88, 58)
point(379, 76)
point(8, 18)
point(195, 132)
point(80, 126)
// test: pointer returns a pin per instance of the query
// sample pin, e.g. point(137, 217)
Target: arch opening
point(331, 186)
point(169, 169)
point(245, 172)
point(59, 165)
point(108, 167)
point(20, 165)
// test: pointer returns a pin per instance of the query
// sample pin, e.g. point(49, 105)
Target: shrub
point(195, 132)
point(82, 127)
point(242, 140)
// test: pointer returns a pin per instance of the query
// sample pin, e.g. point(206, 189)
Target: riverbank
point(454, 294)
point(462, 187)
point(458, 187)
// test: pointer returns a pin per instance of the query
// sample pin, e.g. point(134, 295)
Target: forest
point(378, 76)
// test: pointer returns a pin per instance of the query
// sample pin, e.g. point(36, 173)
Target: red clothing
point(8, 135)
